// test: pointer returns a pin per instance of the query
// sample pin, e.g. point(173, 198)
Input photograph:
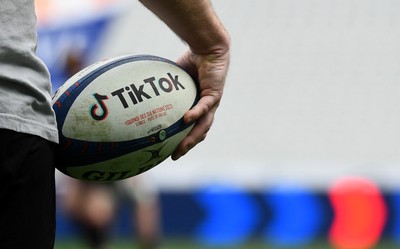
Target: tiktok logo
point(94, 110)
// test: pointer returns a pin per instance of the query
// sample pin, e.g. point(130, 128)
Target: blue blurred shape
point(65, 227)
point(296, 216)
point(395, 217)
point(231, 215)
point(78, 39)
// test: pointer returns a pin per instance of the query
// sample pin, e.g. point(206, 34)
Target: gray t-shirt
point(25, 101)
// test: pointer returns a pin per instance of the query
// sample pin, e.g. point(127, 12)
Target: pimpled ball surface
point(120, 117)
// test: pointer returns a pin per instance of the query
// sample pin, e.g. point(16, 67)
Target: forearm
point(194, 21)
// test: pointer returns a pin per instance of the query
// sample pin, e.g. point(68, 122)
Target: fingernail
point(176, 156)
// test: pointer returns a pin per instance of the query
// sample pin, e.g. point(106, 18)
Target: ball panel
point(79, 152)
point(122, 167)
point(147, 95)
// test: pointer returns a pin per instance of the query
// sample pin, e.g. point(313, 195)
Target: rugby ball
point(121, 117)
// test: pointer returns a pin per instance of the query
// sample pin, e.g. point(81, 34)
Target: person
point(197, 24)
point(27, 122)
point(92, 206)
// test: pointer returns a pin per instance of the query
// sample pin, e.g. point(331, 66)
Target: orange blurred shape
point(47, 10)
point(43, 9)
point(359, 213)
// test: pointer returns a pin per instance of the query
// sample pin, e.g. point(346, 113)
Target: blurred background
point(305, 148)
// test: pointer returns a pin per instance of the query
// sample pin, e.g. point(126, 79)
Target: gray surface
point(313, 92)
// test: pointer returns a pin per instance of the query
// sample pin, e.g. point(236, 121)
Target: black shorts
point(27, 191)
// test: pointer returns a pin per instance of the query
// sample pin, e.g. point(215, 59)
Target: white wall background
point(313, 92)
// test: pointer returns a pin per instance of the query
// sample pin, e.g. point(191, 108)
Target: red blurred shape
point(359, 213)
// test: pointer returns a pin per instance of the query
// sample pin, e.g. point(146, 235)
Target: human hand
point(210, 69)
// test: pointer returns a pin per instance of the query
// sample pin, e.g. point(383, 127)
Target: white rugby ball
point(122, 116)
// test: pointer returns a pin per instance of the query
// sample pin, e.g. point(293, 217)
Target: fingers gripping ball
point(120, 117)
